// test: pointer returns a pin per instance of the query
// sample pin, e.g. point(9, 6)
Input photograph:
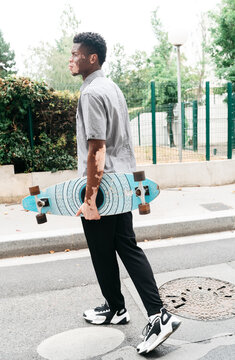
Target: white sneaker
point(103, 315)
point(159, 328)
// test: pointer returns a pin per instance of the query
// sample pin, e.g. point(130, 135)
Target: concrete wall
point(205, 173)
point(13, 187)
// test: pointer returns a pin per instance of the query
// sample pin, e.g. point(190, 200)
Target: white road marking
point(81, 343)
point(153, 244)
point(37, 259)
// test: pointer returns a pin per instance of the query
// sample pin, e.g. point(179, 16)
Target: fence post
point(195, 122)
point(153, 108)
point(233, 120)
point(230, 123)
point(207, 121)
point(183, 124)
point(30, 122)
point(139, 128)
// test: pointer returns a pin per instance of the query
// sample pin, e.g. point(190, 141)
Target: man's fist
point(90, 212)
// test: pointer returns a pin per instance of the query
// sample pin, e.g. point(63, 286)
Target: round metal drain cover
point(199, 298)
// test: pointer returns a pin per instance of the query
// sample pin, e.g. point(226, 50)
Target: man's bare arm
point(95, 169)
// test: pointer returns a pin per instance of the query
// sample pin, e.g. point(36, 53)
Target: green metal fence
point(208, 128)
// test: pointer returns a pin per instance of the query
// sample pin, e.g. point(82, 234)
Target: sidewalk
point(176, 212)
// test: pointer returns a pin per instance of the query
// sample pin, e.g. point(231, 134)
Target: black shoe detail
point(123, 322)
point(152, 327)
point(120, 312)
point(103, 307)
point(165, 314)
point(175, 325)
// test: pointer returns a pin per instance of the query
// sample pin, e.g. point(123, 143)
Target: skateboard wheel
point(144, 209)
point(34, 190)
point(41, 218)
point(139, 175)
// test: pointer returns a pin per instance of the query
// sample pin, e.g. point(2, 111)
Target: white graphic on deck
point(116, 191)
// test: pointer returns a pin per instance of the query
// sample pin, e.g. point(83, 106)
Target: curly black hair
point(94, 43)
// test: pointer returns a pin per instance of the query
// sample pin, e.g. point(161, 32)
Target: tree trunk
point(170, 120)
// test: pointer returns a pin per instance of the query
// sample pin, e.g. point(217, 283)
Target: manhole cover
point(199, 298)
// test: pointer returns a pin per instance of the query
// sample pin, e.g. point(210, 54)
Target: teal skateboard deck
point(118, 193)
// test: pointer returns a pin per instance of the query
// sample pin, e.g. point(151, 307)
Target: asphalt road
point(65, 274)
point(39, 300)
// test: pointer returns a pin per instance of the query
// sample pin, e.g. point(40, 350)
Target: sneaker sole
point(159, 341)
point(122, 322)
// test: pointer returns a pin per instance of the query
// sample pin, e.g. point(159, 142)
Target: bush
point(49, 156)
point(54, 126)
point(15, 149)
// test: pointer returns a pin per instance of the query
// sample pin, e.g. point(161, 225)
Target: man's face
point(79, 62)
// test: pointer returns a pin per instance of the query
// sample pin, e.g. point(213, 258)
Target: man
point(105, 145)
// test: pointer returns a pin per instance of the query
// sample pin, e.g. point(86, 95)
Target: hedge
point(54, 126)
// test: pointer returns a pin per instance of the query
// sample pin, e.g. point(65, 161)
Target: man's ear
point(93, 58)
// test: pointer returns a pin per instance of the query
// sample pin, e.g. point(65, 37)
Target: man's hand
point(90, 212)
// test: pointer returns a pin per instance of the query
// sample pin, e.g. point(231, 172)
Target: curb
point(41, 243)
point(179, 227)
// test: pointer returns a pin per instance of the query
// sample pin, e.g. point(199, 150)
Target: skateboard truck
point(141, 191)
point(34, 191)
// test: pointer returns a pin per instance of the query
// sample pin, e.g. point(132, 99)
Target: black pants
point(113, 234)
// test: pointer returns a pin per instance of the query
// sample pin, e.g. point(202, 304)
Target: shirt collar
point(90, 78)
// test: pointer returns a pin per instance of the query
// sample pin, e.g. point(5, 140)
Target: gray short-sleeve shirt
point(102, 114)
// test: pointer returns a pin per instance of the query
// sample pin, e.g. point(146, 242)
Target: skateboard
point(118, 193)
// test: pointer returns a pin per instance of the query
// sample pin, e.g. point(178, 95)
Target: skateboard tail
point(153, 190)
point(29, 203)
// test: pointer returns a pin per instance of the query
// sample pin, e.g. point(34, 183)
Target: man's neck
point(84, 76)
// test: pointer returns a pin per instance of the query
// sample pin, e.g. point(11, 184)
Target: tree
point(50, 61)
point(139, 76)
point(201, 66)
point(7, 58)
point(163, 62)
point(164, 73)
point(202, 60)
point(222, 48)
point(118, 66)
point(131, 74)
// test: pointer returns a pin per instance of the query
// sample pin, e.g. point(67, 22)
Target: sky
point(25, 23)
